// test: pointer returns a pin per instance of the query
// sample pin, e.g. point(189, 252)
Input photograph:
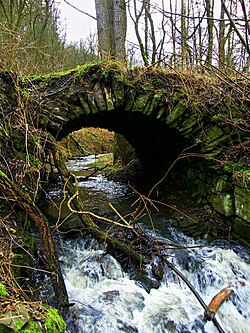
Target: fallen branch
point(196, 294)
point(102, 218)
point(217, 301)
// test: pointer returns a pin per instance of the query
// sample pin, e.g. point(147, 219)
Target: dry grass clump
point(7, 268)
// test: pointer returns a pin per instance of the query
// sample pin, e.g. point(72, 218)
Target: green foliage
point(3, 291)
point(159, 95)
point(18, 141)
point(179, 96)
point(217, 118)
point(35, 161)
point(20, 320)
point(232, 168)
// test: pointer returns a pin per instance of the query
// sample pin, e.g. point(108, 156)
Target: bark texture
point(111, 28)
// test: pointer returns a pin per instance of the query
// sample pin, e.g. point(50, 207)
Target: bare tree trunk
point(136, 19)
point(111, 28)
point(103, 29)
point(222, 40)
point(183, 35)
point(235, 28)
point(173, 60)
point(210, 26)
point(162, 42)
point(230, 44)
point(150, 34)
point(119, 29)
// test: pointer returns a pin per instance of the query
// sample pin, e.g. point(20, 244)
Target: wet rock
point(146, 282)
point(125, 327)
point(74, 223)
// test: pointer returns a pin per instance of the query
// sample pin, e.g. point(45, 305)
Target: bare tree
point(136, 16)
point(111, 28)
point(29, 36)
point(210, 25)
point(243, 38)
point(222, 39)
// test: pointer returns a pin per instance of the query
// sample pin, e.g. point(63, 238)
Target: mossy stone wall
point(227, 189)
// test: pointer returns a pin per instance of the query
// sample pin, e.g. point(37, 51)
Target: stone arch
point(208, 114)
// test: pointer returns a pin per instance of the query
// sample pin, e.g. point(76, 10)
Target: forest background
point(180, 34)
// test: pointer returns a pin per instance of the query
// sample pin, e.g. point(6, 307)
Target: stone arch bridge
point(161, 114)
point(158, 112)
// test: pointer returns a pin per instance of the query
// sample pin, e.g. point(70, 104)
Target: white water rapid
point(106, 300)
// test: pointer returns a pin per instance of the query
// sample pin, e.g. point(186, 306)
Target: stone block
point(118, 91)
point(222, 203)
point(129, 102)
point(153, 104)
point(242, 178)
point(177, 112)
point(242, 202)
point(222, 185)
point(91, 102)
point(213, 134)
point(242, 228)
point(99, 98)
point(84, 105)
point(187, 125)
point(140, 102)
point(109, 99)
point(75, 112)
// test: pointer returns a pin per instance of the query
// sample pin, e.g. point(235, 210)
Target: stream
point(106, 300)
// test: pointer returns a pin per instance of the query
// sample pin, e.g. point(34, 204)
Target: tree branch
point(79, 10)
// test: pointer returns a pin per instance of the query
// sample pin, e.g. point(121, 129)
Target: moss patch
point(242, 228)
point(26, 317)
point(54, 322)
point(32, 327)
point(3, 291)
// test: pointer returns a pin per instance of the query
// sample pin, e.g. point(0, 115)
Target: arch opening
point(156, 144)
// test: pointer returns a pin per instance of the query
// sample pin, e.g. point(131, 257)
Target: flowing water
point(107, 300)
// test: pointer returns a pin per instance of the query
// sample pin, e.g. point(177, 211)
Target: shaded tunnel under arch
point(155, 143)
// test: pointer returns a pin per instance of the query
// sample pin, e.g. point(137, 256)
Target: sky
point(78, 25)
